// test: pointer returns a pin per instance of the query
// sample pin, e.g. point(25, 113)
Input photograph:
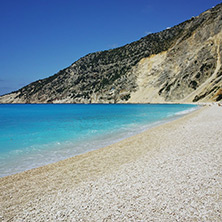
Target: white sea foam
point(184, 112)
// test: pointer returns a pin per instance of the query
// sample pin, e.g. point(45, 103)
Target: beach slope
point(172, 172)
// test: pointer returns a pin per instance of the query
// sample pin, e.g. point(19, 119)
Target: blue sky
point(40, 37)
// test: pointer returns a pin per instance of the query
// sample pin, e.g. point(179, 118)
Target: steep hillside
point(181, 64)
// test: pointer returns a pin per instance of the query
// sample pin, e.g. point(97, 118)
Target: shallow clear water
point(35, 135)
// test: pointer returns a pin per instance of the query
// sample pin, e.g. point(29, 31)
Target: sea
point(33, 135)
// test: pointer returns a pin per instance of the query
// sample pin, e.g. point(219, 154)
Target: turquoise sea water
point(35, 135)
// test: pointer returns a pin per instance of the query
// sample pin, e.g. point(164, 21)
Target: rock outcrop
point(180, 64)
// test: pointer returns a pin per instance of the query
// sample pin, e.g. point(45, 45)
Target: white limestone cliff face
point(167, 76)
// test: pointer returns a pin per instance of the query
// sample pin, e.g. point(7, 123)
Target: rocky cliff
point(180, 64)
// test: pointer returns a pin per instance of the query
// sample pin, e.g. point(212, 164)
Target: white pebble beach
point(172, 172)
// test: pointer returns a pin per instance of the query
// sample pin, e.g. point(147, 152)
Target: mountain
point(180, 64)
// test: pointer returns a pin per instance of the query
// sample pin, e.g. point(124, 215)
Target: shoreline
point(36, 188)
point(146, 128)
point(64, 151)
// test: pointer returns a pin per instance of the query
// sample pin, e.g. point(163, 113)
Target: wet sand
point(172, 172)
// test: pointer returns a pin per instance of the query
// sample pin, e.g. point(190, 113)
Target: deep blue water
point(35, 135)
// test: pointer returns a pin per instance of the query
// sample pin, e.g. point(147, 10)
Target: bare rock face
point(181, 64)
